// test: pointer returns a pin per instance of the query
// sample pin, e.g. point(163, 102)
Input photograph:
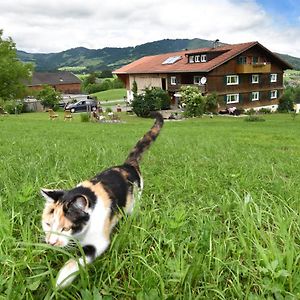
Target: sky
point(57, 25)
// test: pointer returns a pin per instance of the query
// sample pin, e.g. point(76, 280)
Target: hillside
point(87, 60)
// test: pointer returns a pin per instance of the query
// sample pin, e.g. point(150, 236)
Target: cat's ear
point(80, 202)
point(52, 195)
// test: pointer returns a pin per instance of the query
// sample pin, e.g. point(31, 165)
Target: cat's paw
point(67, 274)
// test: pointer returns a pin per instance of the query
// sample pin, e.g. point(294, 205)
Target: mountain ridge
point(87, 60)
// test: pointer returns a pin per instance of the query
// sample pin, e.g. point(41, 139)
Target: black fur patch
point(78, 191)
point(116, 187)
point(90, 251)
point(134, 176)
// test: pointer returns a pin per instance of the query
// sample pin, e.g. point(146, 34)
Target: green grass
point(218, 219)
point(114, 94)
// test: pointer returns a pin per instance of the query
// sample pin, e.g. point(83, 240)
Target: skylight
point(171, 60)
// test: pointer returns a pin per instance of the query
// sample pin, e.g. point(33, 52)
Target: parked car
point(83, 105)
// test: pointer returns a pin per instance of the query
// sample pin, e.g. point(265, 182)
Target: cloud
point(52, 26)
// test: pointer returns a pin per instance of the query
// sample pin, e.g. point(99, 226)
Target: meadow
point(218, 219)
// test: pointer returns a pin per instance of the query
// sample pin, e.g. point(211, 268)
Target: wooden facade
point(243, 75)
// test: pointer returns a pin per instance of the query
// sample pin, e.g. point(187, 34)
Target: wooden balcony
point(254, 68)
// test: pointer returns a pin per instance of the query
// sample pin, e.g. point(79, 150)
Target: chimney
point(216, 43)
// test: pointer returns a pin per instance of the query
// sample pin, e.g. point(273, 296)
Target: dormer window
point(197, 58)
point(203, 58)
point(191, 59)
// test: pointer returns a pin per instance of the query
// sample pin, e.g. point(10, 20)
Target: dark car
point(83, 105)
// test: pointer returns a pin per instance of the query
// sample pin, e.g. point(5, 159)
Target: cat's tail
point(144, 143)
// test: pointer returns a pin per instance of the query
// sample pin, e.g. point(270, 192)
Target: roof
point(53, 78)
point(153, 64)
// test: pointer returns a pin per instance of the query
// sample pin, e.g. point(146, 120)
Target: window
point(255, 96)
point(273, 77)
point(232, 98)
point(173, 80)
point(232, 79)
point(254, 60)
point(242, 60)
point(171, 60)
point(273, 94)
point(191, 59)
point(255, 78)
point(197, 80)
point(203, 58)
point(197, 58)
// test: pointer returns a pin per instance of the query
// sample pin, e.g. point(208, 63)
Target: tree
point(134, 88)
point(106, 74)
point(286, 101)
point(13, 73)
point(49, 97)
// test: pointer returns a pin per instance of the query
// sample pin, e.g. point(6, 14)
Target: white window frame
point(191, 59)
point(235, 100)
point(197, 58)
point(173, 80)
point(197, 80)
point(203, 58)
point(229, 80)
point(255, 76)
point(273, 77)
point(274, 94)
point(255, 96)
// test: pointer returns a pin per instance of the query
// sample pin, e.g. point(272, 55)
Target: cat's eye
point(66, 229)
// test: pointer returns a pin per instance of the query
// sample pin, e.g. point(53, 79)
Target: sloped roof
point(153, 64)
point(53, 78)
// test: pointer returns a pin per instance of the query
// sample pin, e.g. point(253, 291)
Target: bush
point(193, 100)
point(286, 101)
point(153, 99)
point(108, 110)
point(211, 103)
point(13, 107)
point(265, 111)
point(84, 117)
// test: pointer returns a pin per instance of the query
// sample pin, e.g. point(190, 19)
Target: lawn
point(218, 219)
point(114, 94)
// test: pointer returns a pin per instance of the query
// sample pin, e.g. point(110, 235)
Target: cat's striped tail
point(144, 143)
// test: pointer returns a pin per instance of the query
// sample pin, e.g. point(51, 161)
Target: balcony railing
point(172, 88)
point(254, 68)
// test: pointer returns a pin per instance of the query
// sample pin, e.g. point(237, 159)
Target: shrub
point(153, 99)
point(108, 110)
point(211, 103)
point(13, 107)
point(84, 117)
point(193, 100)
point(286, 101)
point(265, 111)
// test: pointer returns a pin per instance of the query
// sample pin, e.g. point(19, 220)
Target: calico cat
point(90, 211)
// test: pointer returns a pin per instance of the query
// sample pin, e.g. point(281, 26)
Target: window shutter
point(240, 98)
point(250, 96)
point(240, 79)
point(225, 80)
point(225, 99)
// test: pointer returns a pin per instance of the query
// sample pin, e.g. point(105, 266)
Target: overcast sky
point(57, 25)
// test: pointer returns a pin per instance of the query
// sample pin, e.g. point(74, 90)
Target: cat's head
point(66, 215)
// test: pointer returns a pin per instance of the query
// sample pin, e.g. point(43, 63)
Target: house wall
point(216, 81)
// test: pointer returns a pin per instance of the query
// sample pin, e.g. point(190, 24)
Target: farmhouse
point(64, 82)
point(246, 75)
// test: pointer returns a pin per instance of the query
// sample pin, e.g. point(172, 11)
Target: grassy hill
point(87, 60)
